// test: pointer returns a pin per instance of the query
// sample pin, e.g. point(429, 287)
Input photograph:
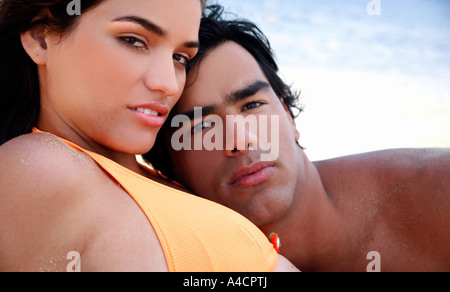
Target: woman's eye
point(181, 59)
point(200, 127)
point(134, 42)
point(252, 105)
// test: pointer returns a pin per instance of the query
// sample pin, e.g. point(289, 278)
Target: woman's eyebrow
point(193, 44)
point(154, 28)
point(145, 23)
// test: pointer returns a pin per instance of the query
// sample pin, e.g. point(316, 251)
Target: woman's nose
point(162, 76)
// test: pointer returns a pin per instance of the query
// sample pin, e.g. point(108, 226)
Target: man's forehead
point(233, 98)
point(225, 71)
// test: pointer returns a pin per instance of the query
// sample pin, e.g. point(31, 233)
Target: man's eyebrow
point(206, 110)
point(232, 98)
point(247, 92)
point(147, 24)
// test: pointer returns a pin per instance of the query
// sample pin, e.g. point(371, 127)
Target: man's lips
point(253, 174)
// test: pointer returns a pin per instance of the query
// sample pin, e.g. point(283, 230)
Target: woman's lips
point(251, 175)
point(151, 115)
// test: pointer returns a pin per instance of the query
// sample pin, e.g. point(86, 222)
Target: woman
point(95, 89)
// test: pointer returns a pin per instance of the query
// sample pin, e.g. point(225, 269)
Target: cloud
point(368, 82)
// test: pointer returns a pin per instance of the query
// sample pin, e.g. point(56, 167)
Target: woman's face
point(111, 82)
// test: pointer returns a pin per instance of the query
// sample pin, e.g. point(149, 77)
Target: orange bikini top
point(196, 235)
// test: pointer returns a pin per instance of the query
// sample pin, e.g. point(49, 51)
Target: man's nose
point(240, 139)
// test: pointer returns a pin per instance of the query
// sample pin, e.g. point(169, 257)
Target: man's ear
point(291, 119)
point(34, 41)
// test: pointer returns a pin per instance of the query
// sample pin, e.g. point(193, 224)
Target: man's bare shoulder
point(410, 160)
point(415, 171)
point(406, 191)
point(40, 182)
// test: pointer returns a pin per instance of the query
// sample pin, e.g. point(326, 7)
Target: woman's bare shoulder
point(41, 157)
point(42, 188)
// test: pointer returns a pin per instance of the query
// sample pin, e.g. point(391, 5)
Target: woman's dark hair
point(19, 80)
point(214, 31)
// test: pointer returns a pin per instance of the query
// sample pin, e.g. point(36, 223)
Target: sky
point(374, 75)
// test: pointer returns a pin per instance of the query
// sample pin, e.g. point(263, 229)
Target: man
point(387, 211)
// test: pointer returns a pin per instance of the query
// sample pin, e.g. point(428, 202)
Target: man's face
point(237, 169)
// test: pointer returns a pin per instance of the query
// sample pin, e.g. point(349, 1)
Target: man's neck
point(312, 232)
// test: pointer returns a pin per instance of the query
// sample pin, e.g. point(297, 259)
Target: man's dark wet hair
point(215, 31)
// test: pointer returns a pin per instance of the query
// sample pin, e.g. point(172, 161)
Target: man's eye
point(252, 105)
point(200, 127)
